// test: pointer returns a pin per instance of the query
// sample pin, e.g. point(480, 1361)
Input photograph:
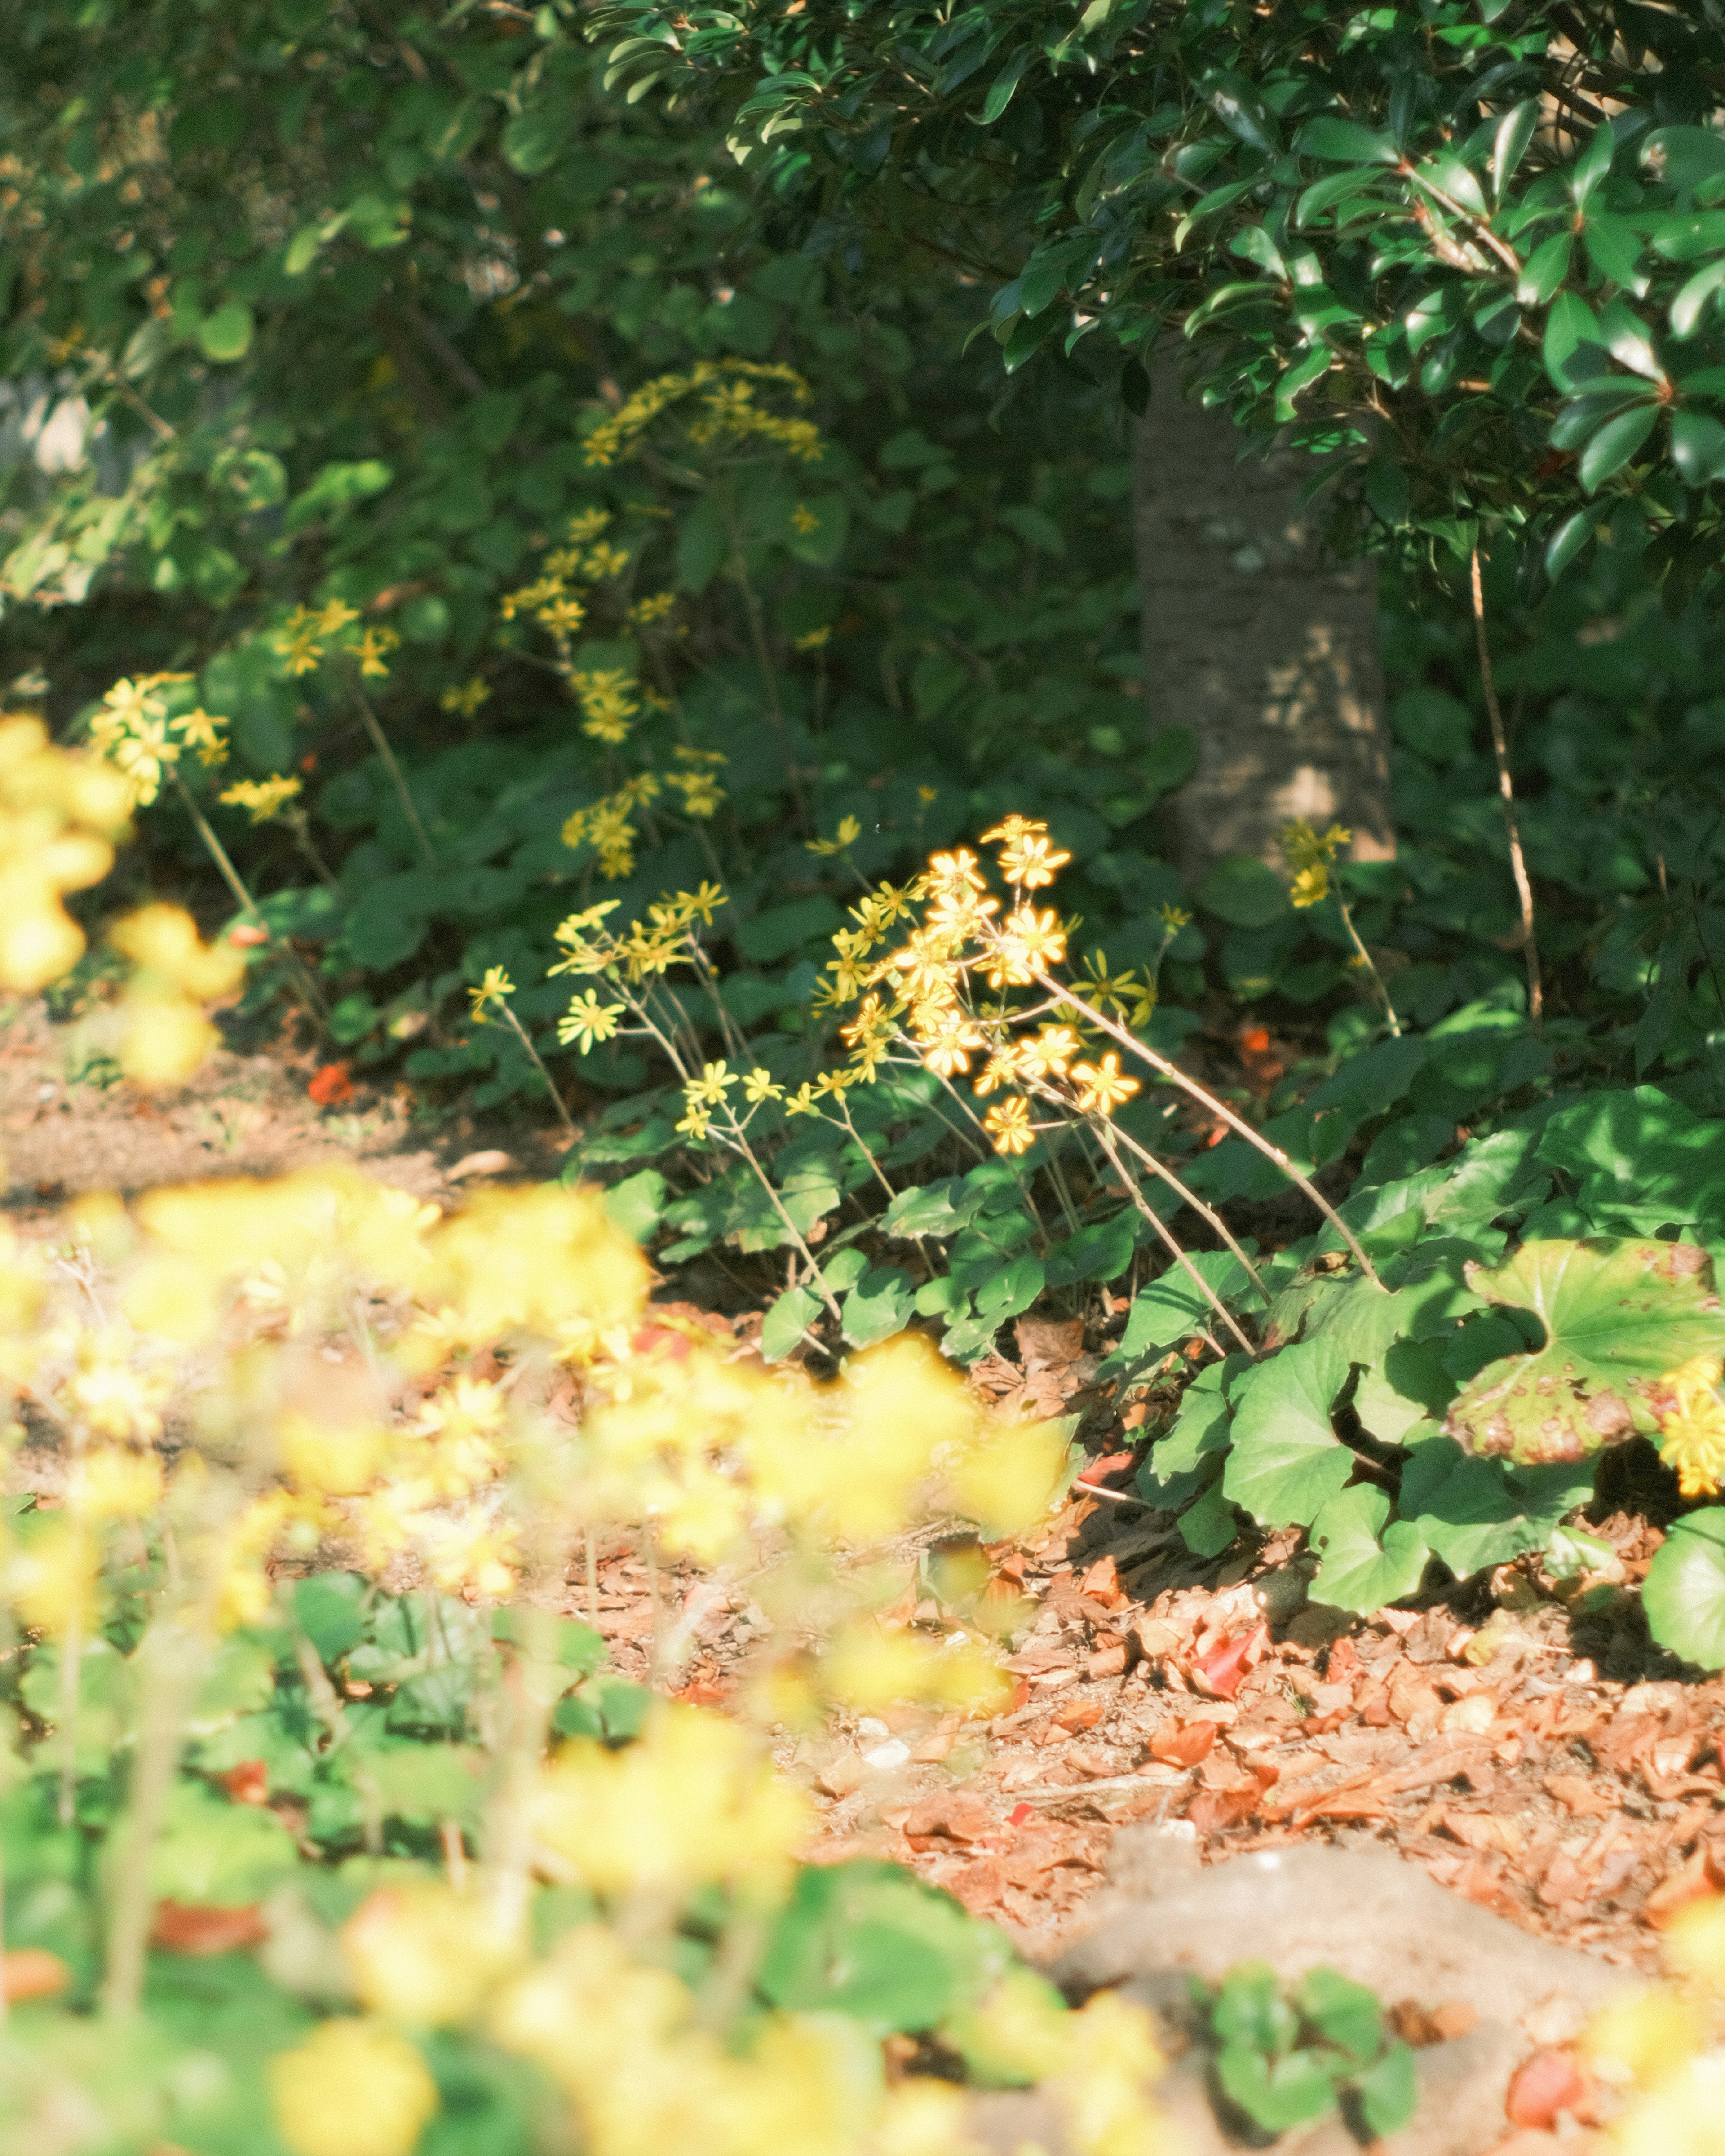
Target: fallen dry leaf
point(1578, 1797)
point(1220, 1672)
point(489, 1162)
point(1079, 1714)
point(1183, 1743)
point(1484, 1830)
point(247, 1783)
point(31, 1972)
point(1548, 2083)
point(186, 1928)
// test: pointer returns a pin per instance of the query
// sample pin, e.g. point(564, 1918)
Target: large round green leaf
point(1617, 1316)
point(1684, 1593)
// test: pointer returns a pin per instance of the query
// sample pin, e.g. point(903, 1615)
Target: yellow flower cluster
point(608, 703)
point(1310, 855)
point(132, 730)
point(261, 798)
point(608, 826)
point(1692, 1429)
point(1658, 2053)
point(61, 815)
point(306, 637)
point(175, 975)
point(929, 993)
point(728, 414)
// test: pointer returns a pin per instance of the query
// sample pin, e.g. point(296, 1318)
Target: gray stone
point(1378, 1920)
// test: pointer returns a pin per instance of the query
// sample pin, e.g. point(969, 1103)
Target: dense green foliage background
point(310, 306)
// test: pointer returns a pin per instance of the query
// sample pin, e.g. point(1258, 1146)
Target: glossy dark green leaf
point(1697, 447)
point(1616, 443)
point(1345, 142)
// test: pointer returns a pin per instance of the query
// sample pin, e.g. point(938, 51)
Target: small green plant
point(1289, 2053)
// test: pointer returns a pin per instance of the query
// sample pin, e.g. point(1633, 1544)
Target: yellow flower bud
point(351, 2089)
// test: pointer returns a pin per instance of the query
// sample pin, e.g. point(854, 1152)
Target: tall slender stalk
point(380, 742)
point(1104, 1138)
point(1256, 1139)
point(1368, 961)
point(1507, 794)
point(170, 1656)
point(308, 988)
point(526, 1041)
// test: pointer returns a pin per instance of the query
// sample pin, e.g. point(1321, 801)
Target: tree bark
point(1265, 651)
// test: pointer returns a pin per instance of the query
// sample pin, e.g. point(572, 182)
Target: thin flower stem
point(1104, 1138)
point(1367, 960)
point(862, 1144)
point(1173, 1071)
point(315, 1004)
point(526, 1039)
point(380, 742)
point(300, 824)
point(1192, 1198)
point(738, 1140)
point(1506, 793)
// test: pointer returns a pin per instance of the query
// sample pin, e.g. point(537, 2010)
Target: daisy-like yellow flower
point(605, 560)
point(712, 1085)
point(261, 798)
point(371, 650)
point(696, 1122)
point(815, 639)
point(1310, 853)
point(701, 901)
point(493, 988)
point(802, 1101)
point(562, 616)
point(758, 1086)
point(1007, 1123)
point(588, 1021)
point(1030, 943)
point(1049, 1054)
point(955, 871)
point(653, 608)
point(1102, 1086)
point(586, 524)
point(804, 520)
point(949, 1050)
point(1001, 1068)
point(466, 700)
point(847, 834)
point(334, 616)
point(1692, 1433)
point(198, 730)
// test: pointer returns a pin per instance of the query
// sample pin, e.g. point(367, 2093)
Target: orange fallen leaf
point(1219, 1673)
point(247, 1783)
point(330, 1086)
point(1183, 1743)
point(1578, 1797)
point(1549, 2082)
point(184, 1927)
point(1079, 1714)
point(31, 1972)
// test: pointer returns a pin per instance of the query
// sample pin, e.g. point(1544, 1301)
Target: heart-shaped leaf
point(1366, 1562)
point(1617, 1316)
point(1684, 1593)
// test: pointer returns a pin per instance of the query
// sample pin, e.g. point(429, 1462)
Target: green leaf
point(227, 334)
point(1280, 2095)
point(1642, 1158)
point(1594, 163)
point(1575, 349)
point(1199, 1430)
point(1244, 893)
point(1692, 303)
point(1389, 2092)
point(880, 1305)
point(1543, 272)
point(784, 1324)
point(1366, 1564)
point(1287, 1461)
point(868, 1941)
point(217, 1853)
point(934, 1208)
point(1345, 142)
point(1567, 540)
point(329, 1608)
point(1684, 1593)
point(1515, 131)
point(1250, 2010)
point(1616, 442)
point(1617, 1316)
point(637, 1204)
point(1208, 1526)
point(1697, 448)
point(1474, 1512)
point(1345, 2014)
point(1239, 103)
point(1000, 91)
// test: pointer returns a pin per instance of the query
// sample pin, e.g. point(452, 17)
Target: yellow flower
point(702, 901)
point(605, 560)
point(1120, 990)
point(370, 652)
point(466, 700)
point(804, 520)
point(711, 1085)
point(653, 608)
point(351, 2089)
point(262, 797)
point(586, 524)
point(1047, 1054)
point(815, 639)
point(954, 872)
point(334, 616)
point(947, 1052)
point(1028, 943)
point(697, 1121)
point(1692, 1432)
point(847, 834)
point(1309, 854)
point(802, 1101)
point(1001, 1068)
point(758, 1086)
point(1008, 1122)
point(493, 989)
point(1102, 1087)
point(562, 616)
point(1174, 918)
point(588, 1021)
point(198, 729)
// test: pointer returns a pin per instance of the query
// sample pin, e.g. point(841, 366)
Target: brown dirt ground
point(1533, 1755)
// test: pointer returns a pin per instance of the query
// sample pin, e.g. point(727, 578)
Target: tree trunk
point(1266, 651)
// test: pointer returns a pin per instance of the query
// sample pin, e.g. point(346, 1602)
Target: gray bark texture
point(1265, 650)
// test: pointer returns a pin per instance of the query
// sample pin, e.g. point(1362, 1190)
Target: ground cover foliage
point(583, 625)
